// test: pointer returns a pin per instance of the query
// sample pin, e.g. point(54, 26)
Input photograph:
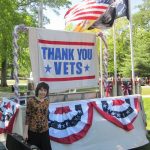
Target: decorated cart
point(82, 120)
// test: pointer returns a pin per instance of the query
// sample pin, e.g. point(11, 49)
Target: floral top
point(37, 115)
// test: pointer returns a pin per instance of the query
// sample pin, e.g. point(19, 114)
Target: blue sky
point(58, 22)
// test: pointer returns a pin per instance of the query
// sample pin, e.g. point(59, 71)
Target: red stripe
point(78, 6)
point(83, 14)
point(70, 10)
point(62, 110)
point(118, 102)
point(66, 43)
point(90, 12)
point(88, 5)
point(88, 9)
point(67, 79)
point(137, 104)
point(75, 8)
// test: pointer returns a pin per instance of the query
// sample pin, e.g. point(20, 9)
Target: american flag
point(87, 10)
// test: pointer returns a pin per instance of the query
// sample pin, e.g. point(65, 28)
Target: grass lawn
point(22, 86)
point(5, 89)
point(145, 90)
point(146, 102)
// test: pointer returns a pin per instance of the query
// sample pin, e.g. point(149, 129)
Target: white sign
point(64, 60)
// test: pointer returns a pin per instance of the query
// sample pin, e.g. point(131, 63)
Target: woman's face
point(42, 93)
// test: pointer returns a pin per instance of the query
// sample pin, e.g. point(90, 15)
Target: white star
point(118, 115)
point(59, 126)
point(104, 105)
point(113, 113)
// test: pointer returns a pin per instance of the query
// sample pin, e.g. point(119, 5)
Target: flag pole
point(40, 14)
point(131, 47)
point(101, 68)
point(115, 62)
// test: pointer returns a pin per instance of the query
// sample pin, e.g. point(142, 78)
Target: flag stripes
point(85, 10)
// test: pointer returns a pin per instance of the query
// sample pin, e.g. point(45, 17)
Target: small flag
point(122, 8)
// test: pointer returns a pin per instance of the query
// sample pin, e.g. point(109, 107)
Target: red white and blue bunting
point(120, 111)
point(8, 112)
point(69, 123)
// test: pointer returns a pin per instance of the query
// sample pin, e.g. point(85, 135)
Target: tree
point(141, 43)
point(142, 17)
point(141, 22)
point(14, 13)
point(9, 18)
point(122, 46)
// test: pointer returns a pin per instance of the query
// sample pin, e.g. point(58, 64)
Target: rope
point(17, 29)
point(105, 60)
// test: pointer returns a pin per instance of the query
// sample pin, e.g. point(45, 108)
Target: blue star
point(48, 68)
point(87, 67)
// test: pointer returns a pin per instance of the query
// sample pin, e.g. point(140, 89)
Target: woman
point(36, 122)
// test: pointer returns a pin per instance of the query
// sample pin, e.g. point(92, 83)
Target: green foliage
point(141, 43)
point(14, 13)
point(142, 39)
point(142, 52)
point(142, 18)
point(122, 46)
point(10, 16)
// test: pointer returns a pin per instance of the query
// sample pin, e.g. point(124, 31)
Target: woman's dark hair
point(42, 85)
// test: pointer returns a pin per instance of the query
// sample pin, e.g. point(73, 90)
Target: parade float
point(108, 117)
point(82, 120)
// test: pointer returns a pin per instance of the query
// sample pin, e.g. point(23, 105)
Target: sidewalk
point(146, 96)
point(6, 94)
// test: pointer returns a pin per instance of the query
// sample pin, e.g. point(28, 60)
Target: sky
point(58, 22)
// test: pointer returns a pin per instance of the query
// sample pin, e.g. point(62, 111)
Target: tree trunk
point(4, 73)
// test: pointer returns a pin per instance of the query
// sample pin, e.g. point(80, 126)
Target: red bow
point(108, 89)
point(126, 87)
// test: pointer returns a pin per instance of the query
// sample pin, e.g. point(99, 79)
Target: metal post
point(40, 14)
point(131, 48)
point(115, 63)
point(101, 68)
